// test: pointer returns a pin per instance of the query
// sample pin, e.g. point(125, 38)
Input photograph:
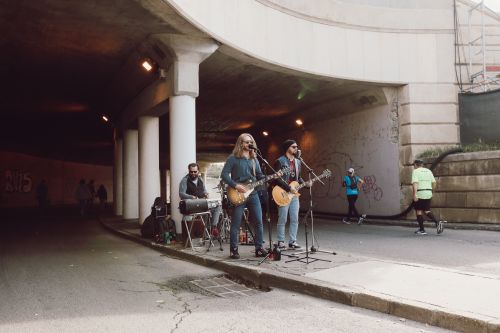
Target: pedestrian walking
point(102, 194)
point(352, 184)
point(82, 195)
point(42, 194)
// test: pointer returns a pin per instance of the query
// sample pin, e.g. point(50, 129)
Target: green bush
point(469, 148)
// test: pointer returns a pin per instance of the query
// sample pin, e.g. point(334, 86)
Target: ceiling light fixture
point(147, 65)
point(105, 118)
point(299, 122)
point(265, 133)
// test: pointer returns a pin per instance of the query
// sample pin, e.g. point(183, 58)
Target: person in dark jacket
point(288, 160)
point(102, 194)
point(193, 187)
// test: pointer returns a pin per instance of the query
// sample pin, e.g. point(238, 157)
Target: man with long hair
point(241, 167)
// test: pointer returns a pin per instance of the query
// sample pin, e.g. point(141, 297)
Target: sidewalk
point(456, 300)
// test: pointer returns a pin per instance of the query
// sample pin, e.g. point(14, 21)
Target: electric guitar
point(239, 198)
point(283, 198)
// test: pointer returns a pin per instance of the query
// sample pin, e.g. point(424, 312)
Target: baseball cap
point(350, 170)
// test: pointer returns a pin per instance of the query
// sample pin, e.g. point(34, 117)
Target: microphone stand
point(268, 215)
point(310, 211)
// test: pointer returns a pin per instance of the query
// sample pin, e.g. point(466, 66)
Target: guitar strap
point(297, 169)
point(253, 166)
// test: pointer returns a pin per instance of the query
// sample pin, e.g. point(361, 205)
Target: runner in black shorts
point(423, 183)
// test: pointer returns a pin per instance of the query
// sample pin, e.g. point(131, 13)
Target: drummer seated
point(192, 187)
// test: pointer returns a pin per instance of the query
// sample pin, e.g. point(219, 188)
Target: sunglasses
point(294, 147)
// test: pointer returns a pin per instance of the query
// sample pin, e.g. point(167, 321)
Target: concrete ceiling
point(64, 63)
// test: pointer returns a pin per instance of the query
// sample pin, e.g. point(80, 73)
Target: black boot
point(261, 252)
point(233, 253)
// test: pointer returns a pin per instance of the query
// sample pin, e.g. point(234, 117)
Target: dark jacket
point(283, 162)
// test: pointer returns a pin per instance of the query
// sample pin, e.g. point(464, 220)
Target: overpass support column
point(118, 176)
point(428, 119)
point(130, 175)
point(149, 164)
point(188, 53)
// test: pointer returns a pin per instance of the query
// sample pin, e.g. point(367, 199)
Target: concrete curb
point(264, 278)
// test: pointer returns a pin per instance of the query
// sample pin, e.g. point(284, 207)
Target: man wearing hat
point(352, 183)
point(288, 160)
point(423, 183)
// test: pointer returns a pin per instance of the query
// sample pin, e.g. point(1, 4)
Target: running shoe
point(345, 221)
point(440, 227)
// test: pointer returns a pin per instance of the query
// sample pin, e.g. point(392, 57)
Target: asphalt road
point(470, 250)
point(66, 274)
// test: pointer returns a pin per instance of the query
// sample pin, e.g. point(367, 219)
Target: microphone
point(252, 147)
point(298, 154)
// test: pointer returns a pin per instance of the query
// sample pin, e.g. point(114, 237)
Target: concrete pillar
point(130, 175)
point(182, 146)
point(149, 164)
point(118, 177)
point(188, 53)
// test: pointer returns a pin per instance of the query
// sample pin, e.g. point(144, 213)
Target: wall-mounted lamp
point(299, 122)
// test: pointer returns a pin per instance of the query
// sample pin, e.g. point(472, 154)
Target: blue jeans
point(215, 215)
point(255, 216)
point(283, 212)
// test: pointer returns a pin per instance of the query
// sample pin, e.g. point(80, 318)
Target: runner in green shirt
point(423, 183)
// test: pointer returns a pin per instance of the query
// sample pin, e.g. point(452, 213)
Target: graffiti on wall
point(371, 188)
point(18, 181)
point(338, 163)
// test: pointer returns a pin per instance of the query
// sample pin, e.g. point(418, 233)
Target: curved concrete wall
point(346, 48)
point(390, 15)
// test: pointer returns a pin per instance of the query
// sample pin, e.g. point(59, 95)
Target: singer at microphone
point(288, 183)
point(298, 154)
point(252, 147)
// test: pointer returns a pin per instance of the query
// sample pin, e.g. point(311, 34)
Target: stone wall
point(468, 188)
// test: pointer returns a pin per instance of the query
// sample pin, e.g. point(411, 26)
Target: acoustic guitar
point(239, 198)
point(283, 198)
